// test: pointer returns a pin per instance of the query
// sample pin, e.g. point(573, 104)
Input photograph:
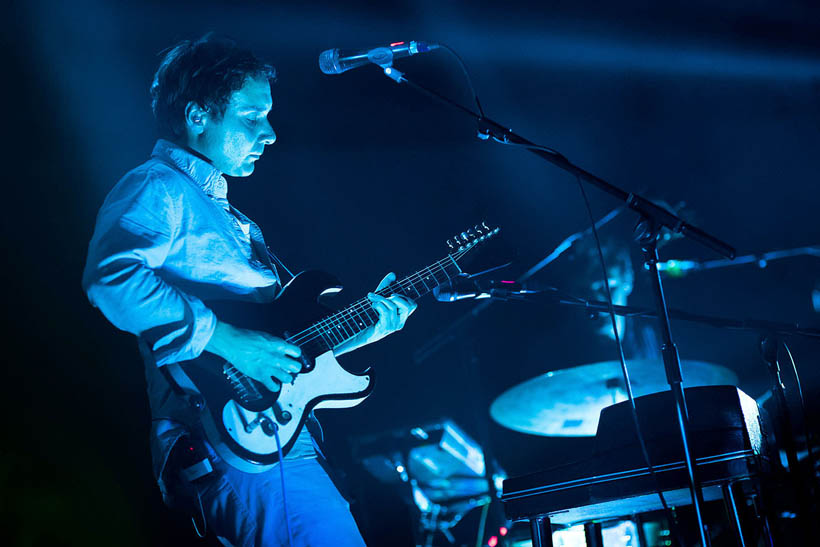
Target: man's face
point(234, 142)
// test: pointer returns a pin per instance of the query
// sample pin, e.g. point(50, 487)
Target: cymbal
point(568, 402)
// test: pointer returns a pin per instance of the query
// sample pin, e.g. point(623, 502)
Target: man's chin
point(242, 171)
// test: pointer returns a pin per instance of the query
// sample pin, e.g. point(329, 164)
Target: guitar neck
point(336, 329)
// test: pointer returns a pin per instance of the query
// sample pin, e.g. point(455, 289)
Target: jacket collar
point(202, 172)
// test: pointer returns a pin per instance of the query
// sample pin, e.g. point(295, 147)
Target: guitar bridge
point(241, 384)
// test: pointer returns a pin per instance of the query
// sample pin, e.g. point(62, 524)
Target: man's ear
point(195, 118)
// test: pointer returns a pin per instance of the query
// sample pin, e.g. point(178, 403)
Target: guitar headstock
point(463, 242)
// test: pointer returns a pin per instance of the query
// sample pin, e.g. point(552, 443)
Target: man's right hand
point(257, 354)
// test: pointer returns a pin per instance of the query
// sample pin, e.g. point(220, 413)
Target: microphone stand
point(652, 220)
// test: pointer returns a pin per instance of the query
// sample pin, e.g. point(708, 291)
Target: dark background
point(714, 104)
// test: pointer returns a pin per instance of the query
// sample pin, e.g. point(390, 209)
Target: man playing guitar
point(167, 242)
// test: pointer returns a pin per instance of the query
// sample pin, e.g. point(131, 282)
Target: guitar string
point(361, 305)
point(334, 320)
point(364, 304)
point(340, 320)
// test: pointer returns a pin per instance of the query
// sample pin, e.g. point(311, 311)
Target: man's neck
point(195, 152)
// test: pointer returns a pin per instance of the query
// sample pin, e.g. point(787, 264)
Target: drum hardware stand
point(769, 345)
point(653, 219)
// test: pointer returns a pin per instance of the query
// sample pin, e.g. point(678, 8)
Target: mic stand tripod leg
point(541, 531)
point(647, 233)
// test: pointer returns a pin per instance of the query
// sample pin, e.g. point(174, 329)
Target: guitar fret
point(332, 334)
point(412, 286)
point(372, 314)
point(420, 281)
point(323, 335)
point(423, 282)
point(362, 324)
point(433, 275)
point(454, 264)
point(346, 326)
point(340, 330)
point(444, 271)
point(419, 294)
point(355, 319)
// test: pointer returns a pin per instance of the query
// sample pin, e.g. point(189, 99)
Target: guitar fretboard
point(337, 328)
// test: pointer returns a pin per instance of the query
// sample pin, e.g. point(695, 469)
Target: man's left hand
point(393, 311)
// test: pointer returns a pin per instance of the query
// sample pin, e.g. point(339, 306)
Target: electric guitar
point(249, 425)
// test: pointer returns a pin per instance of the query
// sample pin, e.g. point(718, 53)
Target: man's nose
point(268, 136)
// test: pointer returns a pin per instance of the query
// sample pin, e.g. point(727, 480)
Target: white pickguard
point(327, 378)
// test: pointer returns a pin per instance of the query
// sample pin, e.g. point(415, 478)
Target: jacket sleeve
point(137, 227)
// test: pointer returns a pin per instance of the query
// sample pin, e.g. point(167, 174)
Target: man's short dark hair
point(206, 71)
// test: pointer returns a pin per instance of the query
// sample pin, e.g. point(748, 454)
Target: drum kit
point(739, 461)
point(568, 402)
point(615, 488)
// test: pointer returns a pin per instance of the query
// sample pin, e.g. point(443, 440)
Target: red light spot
point(508, 282)
point(190, 449)
point(396, 44)
point(503, 531)
point(493, 541)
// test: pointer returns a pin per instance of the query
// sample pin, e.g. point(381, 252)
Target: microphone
point(463, 287)
point(336, 61)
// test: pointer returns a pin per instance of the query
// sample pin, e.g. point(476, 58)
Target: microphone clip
point(395, 75)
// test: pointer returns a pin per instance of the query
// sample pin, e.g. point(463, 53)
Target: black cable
point(466, 74)
point(202, 513)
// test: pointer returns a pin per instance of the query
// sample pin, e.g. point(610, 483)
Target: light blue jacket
point(165, 242)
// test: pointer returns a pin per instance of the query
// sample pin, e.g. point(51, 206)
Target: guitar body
point(241, 425)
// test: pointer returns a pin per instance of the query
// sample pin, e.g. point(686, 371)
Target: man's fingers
point(383, 304)
point(377, 300)
point(281, 375)
point(271, 384)
point(287, 348)
point(405, 305)
point(387, 311)
point(288, 365)
point(393, 311)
